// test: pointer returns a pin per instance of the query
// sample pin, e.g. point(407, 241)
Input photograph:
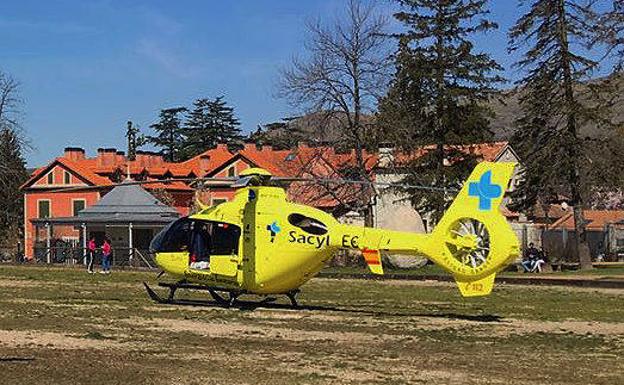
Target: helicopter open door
point(207, 247)
point(224, 255)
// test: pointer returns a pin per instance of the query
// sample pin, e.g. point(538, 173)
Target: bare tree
point(343, 75)
point(12, 164)
point(10, 111)
point(9, 101)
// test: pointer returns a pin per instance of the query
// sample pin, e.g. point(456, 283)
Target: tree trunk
point(574, 180)
point(584, 256)
point(369, 192)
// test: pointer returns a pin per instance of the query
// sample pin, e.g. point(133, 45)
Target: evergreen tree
point(169, 133)
point(12, 175)
point(438, 95)
point(209, 123)
point(557, 98)
point(135, 139)
point(612, 33)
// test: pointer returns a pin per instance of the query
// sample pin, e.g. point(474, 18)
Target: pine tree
point(612, 33)
point(12, 175)
point(439, 92)
point(170, 133)
point(209, 123)
point(557, 99)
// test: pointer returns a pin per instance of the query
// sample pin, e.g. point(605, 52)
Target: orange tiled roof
point(215, 158)
point(596, 219)
point(178, 186)
point(485, 151)
point(77, 167)
point(318, 161)
point(98, 171)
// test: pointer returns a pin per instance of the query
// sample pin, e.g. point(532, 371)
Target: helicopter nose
point(160, 259)
point(172, 263)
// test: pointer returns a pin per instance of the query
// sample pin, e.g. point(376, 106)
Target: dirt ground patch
point(49, 340)
point(242, 331)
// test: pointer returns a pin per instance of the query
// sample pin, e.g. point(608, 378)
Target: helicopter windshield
point(201, 238)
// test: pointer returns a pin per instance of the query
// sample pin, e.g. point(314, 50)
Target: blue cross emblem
point(485, 190)
point(274, 229)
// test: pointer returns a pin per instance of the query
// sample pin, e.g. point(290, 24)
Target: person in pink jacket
point(106, 256)
point(90, 254)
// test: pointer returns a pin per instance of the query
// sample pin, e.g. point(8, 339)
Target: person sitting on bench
point(530, 257)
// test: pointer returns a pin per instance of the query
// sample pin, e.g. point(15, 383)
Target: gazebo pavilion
point(129, 215)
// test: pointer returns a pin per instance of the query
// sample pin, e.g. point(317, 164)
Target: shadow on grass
point(268, 304)
point(16, 359)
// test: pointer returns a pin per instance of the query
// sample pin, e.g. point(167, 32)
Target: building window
point(232, 172)
point(51, 177)
point(78, 205)
point(218, 201)
point(43, 209)
point(67, 177)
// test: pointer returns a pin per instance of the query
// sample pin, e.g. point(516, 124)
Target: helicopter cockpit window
point(174, 237)
point(307, 224)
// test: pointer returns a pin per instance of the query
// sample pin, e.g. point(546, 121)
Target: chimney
point(74, 153)
point(106, 157)
point(386, 155)
point(267, 148)
point(204, 163)
point(149, 160)
point(156, 159)
point(222, 146)
point(120, 157)
point(250, 147)
point(142, 158)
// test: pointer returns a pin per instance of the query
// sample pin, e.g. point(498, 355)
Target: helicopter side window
point(307, 224)
point(224, 239)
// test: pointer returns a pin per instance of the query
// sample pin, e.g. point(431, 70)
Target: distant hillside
point(507, 110)
point(322, 128)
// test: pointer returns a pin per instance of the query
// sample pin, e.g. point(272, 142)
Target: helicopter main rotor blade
point(247, 180)
point(366, 183)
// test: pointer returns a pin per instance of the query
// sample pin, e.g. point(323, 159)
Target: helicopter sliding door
point(224, 257)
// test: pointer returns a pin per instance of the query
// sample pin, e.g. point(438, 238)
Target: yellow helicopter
point(260, 243)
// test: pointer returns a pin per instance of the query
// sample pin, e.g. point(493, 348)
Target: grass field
point(612, 272)
point(66, 327)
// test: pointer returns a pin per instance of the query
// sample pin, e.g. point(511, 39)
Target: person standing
point(106, 255)
point(90, 254)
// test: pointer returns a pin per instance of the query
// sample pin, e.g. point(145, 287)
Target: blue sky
point(86, 67)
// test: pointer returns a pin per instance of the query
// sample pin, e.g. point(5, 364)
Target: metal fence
point(68, 254)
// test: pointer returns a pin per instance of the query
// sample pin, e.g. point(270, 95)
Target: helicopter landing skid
point(220, 299)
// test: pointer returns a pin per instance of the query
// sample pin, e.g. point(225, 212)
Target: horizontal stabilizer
point(477, 288)
point(373, 260)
